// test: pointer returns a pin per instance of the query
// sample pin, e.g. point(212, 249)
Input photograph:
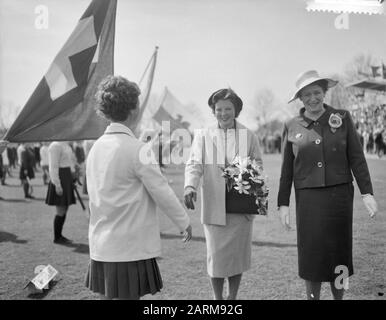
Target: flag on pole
point(62, 105)
point(163, 115)
point(183, 116)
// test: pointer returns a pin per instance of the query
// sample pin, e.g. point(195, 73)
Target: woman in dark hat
point(321, 150)
point(228, 233)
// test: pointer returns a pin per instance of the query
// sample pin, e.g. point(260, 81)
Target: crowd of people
point(371, 125)
point(25, 159)
point(270, 142)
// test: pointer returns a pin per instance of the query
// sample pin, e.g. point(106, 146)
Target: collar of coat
point(238, 125)
point(116, 127)
point(323, 119)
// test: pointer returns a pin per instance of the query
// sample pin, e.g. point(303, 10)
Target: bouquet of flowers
point(247, 177)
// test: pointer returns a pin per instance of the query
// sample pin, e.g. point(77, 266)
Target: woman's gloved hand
point(370, 204)
point(284, 213)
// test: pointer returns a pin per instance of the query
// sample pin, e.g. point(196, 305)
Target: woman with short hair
point(228, 233)
point(124, 190)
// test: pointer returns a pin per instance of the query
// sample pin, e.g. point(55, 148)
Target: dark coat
point(315, 155)
point(27, 163)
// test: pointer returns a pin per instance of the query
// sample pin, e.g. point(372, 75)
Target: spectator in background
point(27, 159)
point(19, 150)
point(44, 162)
point(80, 161)
point(87, 144)
point(11, 152)
point(366, 120)
point(60, 191)
point(379, 142)
point(36, 148)
point(5, 168)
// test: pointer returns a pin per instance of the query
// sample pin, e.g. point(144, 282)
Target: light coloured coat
point(124, 192)
point(208, 156)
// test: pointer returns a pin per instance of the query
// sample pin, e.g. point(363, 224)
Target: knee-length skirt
point(229, 247)
point(68, 196)
point(324, 218)
point(124, 280)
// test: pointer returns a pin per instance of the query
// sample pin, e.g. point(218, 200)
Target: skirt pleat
point(124, 280)
point(68, 196)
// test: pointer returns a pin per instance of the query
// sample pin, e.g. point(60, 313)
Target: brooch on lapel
point(298, 136)
point(335, 122)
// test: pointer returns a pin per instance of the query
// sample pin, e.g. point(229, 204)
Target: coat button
point(317, 141)
point(320, 164)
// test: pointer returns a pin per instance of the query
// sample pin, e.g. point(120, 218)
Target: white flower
point(257, 179)
point(242, 164)
point(255, 165)
point(242, 187)
point(335, 120)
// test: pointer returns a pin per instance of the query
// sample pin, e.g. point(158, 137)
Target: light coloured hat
point(307, 78)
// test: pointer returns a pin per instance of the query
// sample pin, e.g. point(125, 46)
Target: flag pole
point(148, 65)
point(152, 62)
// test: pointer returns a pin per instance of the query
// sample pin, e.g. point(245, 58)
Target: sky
point(204, 45)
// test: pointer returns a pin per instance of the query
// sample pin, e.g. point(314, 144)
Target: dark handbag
point(242, 203)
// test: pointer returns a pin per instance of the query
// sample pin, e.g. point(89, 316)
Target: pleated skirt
point(229, 247)
point(124, 280)
point(324, 218)
point(68, 196)
point(30, 172)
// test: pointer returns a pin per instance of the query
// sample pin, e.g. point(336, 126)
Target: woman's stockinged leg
point(336, 293)
point(61, 210)
point(233, 286)
point(217, 286)
point(59, 220)
point(313, 290)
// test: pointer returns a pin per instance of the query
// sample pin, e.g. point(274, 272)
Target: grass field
point(26, 241)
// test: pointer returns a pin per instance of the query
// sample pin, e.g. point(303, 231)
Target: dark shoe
point(62, 240)
point(30, 197)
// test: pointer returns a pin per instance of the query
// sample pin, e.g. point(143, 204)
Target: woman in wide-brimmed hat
point(321, 149)
point(228, 233)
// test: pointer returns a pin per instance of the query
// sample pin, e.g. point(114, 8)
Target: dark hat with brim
point(225, 94)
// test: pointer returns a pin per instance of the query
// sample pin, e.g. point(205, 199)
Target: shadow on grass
point(14, 200)
point(176, 236)
point(42, 295)
point(78, 247)
point(10, 237)
point(82, 248)
point(255, 243)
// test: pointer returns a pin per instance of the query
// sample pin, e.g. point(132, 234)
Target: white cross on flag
point(62, 105)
